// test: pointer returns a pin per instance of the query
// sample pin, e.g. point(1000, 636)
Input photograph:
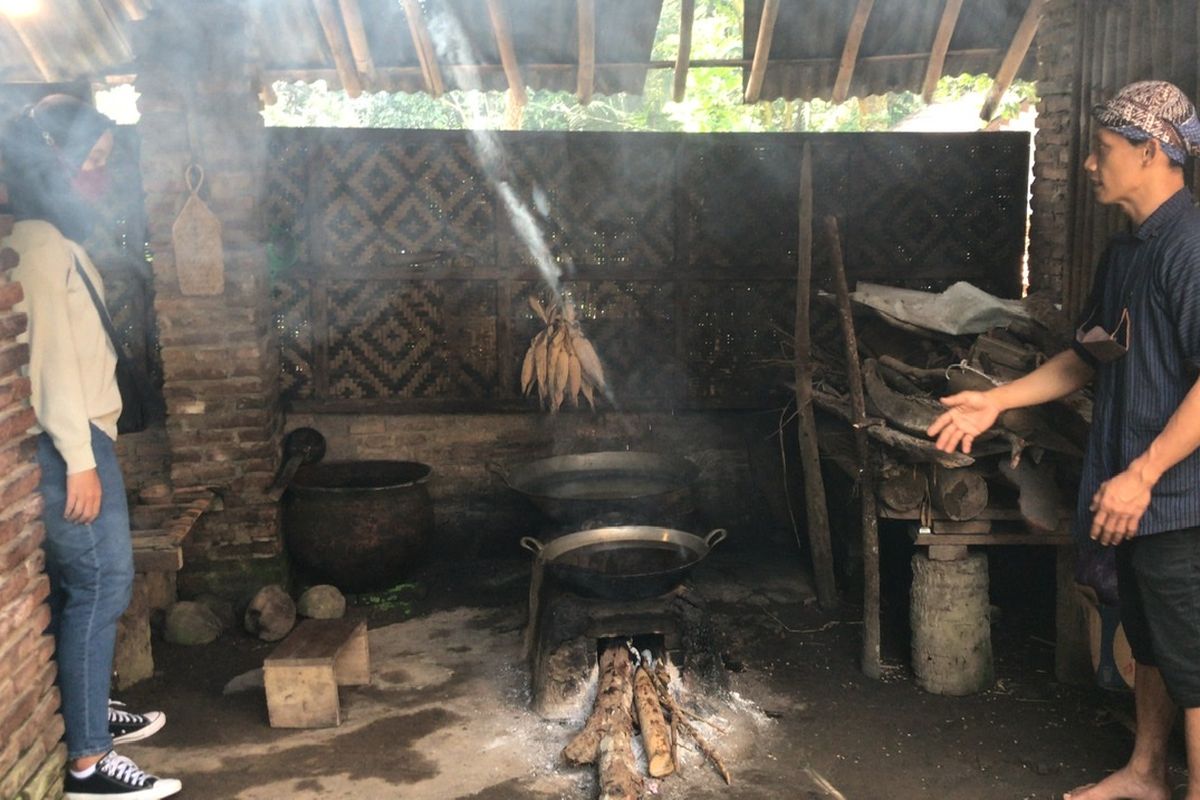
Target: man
point(1140, 488)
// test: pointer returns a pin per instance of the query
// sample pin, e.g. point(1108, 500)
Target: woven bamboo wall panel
point(735, 340)
point(412, 339)
point(381, 205)
point(294, 326)
point(601, 200)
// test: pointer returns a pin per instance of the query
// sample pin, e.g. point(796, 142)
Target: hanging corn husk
point(561, 363)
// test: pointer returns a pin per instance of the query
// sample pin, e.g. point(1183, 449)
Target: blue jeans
point(91, 580)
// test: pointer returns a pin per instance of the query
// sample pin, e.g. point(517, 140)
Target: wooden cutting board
point(199, 254)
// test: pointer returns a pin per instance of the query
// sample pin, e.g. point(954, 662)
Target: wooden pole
point(762, 50)
point(810, 455)
point(871, 660)
point(854, 37)
point(431, 72)
point(687, 13)
point(335, 37)
point(941, 44)
point(1013, 58)
point(585, 11)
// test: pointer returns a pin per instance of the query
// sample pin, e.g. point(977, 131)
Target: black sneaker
point(126, 726)
point(117, 776)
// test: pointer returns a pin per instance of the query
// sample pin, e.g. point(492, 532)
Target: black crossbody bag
point(140, 403)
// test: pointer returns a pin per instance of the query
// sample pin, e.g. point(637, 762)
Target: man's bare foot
point(1123, 784)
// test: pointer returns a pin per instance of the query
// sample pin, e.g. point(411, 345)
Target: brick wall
point(220, 357)
point(31, 755)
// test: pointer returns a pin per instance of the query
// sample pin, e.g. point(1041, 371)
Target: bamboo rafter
point(854, 37)
point(431, 71)
point(586, 14)
point(356, 32)
point(508, 53)
point(762, 50)
point(941, 44)
point(1022, 39)
point(687, 13)
point(335, 37)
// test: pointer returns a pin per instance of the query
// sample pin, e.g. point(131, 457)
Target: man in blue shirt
point(1139, 338)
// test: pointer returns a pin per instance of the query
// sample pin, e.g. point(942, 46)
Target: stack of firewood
point(1032, 453)
point(632, 690)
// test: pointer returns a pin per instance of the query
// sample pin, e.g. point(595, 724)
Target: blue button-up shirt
point(1155, 274)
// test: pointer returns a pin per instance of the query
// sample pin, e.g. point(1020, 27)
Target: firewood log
point(959, 493)
point(619, 779)
point(656, 736)
point(616, 679)
point(901, 488)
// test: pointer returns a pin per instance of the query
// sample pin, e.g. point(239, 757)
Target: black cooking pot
point(628, 485)
point(626, 562)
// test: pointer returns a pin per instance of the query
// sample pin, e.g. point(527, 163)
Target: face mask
point(91, 184)
point(1102, 345)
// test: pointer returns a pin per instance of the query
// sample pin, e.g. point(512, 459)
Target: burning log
point(659, 679)
point(656, 736)
point(607, 737)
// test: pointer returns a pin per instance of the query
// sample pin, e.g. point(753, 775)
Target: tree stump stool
point(303, 673)
point(951, 626)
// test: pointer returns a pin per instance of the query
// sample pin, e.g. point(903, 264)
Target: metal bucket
point(359, 525)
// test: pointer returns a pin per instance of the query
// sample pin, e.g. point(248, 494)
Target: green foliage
point(396, 598)
point(712, 103)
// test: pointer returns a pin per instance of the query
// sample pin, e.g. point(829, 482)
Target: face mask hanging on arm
point(1103, 346)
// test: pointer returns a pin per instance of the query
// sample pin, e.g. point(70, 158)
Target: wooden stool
point(302, 675)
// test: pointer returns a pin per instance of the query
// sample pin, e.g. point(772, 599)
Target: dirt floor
point(447, 713)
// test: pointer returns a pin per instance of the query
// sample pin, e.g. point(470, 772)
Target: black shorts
point(1158, 577)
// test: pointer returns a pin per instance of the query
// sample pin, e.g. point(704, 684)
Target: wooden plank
point(431, 71)
point(301, 696)
point(1013, 58)
point(941, 44)
point(854, 37)
point(356, 32)
point(508, 53)
point(762, 50)
point(1048, 539)
point(810, 456)
point(687, 14)
point(315, 640)
point(335, 37)
point(585, 12)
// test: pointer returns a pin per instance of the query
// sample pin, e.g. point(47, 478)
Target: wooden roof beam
point(431, 71)
point(356, 32)
point(941, 45)
point(29, 39)
point(585, 13)
point(1022, 39)
point(335, 37)
point(854, 37)
point(762, 50)
point(1012, 62)
point(687, 13)
point(135, 10)
point(508, 53)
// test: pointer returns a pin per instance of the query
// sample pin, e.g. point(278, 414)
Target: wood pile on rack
point(1029, 460)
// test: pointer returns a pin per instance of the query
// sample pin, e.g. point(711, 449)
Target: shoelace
point(115, 714)
point(123, 769)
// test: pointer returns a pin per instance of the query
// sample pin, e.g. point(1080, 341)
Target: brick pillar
point(220, 358)
point(1056, 155)
point(31, 756)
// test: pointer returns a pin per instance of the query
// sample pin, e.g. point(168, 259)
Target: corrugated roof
point(70, 39)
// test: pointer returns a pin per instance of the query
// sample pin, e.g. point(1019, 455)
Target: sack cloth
point(141, 403)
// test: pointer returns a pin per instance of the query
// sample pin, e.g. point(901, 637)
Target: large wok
point(626, 562)
point(626, 485)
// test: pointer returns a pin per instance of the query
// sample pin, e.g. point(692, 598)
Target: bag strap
point(105, 319)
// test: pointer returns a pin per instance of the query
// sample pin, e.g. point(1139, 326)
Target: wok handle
point(498, 471)
point(715, 537)
point(531, 544)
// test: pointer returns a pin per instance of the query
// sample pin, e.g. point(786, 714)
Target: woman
point(54, 157)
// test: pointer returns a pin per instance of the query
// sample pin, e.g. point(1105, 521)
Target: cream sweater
point(72, 364)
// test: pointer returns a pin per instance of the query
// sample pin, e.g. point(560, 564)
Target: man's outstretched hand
point(970, 414)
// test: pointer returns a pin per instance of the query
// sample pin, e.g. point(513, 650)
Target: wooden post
point(810, 456)
point(871, 661)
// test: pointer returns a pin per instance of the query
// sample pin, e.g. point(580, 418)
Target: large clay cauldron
point(359, 525)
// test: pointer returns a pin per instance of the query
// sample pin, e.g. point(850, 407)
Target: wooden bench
point(303, 673)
